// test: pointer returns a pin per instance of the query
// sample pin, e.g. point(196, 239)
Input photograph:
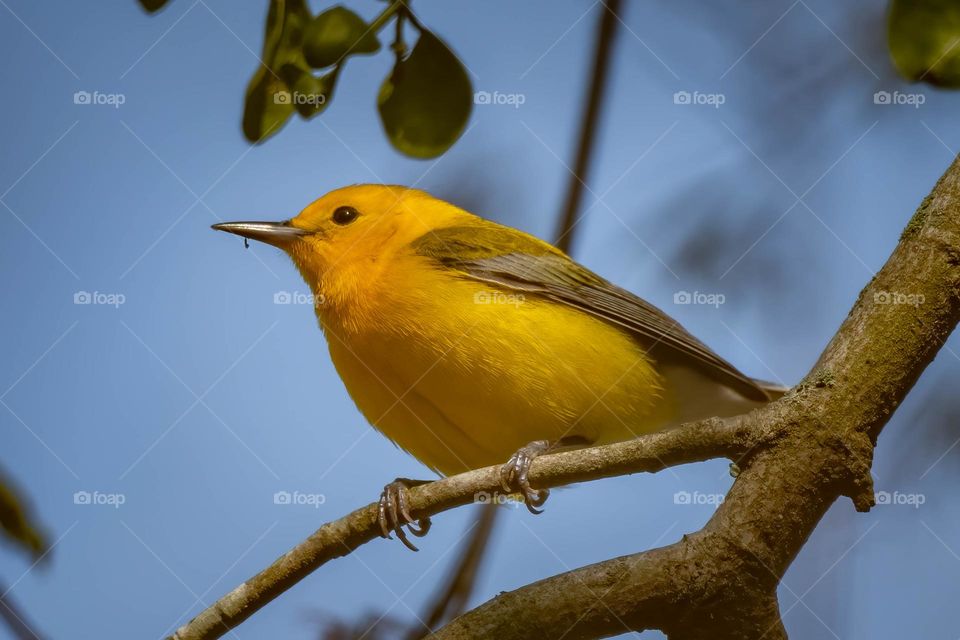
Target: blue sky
point(188, 394)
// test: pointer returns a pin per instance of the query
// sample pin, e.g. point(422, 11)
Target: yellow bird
point(468, 343)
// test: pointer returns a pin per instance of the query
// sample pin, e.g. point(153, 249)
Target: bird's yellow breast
point(461, 374)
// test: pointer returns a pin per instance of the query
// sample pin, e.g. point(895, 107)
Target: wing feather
point(490, 253)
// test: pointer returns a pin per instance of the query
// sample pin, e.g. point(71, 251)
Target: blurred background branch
point(454, 594)
point(16, 618)
point(592, 108)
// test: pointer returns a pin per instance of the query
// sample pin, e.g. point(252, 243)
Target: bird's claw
point(513, 475)
point(394, 514)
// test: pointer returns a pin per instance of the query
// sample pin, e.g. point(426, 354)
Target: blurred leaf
point(152, 6)
point(16, 523)
point(335, 34)
point(269, 103)
point(267, 106)
point(924, 38)
point(425, 102)
point(310, 94)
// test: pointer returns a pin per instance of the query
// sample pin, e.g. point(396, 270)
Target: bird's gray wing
point(488, 252)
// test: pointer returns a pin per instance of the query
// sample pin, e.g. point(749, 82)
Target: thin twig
point(606, 34)
point(453, 597)
point(16, 618)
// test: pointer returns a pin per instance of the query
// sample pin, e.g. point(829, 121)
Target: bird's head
point(349, 235)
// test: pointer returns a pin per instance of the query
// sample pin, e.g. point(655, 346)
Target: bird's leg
point(394, 514)
point(513, 475)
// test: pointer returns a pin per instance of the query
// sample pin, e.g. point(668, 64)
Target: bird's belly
point(466, 384)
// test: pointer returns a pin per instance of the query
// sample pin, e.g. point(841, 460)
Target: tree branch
point(720, 582)
point(698, 441)
point(15, 618)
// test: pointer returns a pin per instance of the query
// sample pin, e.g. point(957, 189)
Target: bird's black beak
point(279, 234)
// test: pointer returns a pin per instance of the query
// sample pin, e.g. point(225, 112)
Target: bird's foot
point(513, 475)
point(394, 514)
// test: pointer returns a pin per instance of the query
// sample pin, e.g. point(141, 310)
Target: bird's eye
point(345, 215)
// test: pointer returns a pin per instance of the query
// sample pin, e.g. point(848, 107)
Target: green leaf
point(268, 104)
point(15, 522)
point(310, 95)
point(335, 34)
point(924, 39)
point(425, 102)
point(152, 6)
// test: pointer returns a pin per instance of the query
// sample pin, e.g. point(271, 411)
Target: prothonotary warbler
point(469, 343)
